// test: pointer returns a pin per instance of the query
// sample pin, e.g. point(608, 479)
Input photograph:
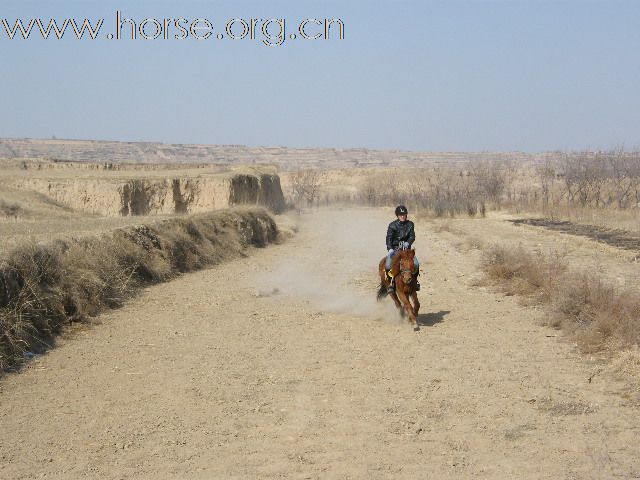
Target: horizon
point(232, 145)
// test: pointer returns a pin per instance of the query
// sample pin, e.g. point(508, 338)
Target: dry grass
point(627, 366)
point(522, 272)
point(442, 227)
point(10, 209)
point(44, 287)
point(599, 316)
point(467, 243)
point(627, 219)
point(558, 408)
point(462, 241)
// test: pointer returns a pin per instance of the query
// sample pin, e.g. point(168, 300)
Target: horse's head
point(406, 264)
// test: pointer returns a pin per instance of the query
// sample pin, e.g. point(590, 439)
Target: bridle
point(406, 270)
point(409, 271)
point(405, 246)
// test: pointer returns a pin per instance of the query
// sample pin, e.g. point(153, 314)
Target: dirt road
point(281, 365)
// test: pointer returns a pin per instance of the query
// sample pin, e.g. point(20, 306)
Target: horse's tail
point(382, 291)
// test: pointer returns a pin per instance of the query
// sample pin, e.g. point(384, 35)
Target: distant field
point(225, 155)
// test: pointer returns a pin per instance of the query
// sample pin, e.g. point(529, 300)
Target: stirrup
point(392, 286)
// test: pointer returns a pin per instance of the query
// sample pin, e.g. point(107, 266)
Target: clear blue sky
point(414, 75)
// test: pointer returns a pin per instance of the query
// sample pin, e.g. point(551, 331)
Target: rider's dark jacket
point(400, 232)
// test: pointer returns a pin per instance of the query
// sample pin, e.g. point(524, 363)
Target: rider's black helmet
point(401, 210)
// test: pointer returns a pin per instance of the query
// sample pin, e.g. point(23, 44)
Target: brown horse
point(402, 269)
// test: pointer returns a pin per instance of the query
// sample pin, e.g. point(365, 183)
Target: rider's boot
point(417, 281)
point(392, 284)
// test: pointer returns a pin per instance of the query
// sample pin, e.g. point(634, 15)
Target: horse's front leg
point(407, 307)
point(416, 303)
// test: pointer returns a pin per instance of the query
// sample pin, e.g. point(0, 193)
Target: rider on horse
point(400, 234)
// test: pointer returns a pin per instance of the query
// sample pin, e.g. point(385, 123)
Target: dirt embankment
point(43, 287)
point(155, 196)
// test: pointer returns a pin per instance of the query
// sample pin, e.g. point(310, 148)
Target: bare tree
point(306, 185)
point(625, 172)
point(546, 174)
point(490, 179)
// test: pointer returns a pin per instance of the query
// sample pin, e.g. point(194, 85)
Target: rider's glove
point(390, 251)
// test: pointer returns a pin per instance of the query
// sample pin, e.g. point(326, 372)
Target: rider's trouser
point(387, 263)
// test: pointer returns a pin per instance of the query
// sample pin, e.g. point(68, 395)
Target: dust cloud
point(334, 264)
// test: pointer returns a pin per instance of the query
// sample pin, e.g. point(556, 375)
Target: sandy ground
point(282, 365)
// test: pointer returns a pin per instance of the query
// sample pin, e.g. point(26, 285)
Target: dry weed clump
point(44, 287)
point(626, 365)
point(522, 272)
point(599, 316)
point(12, 209)
point(442, 227)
